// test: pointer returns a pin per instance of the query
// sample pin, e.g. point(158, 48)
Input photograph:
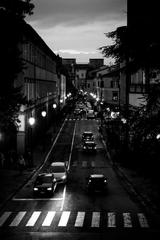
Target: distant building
point(96, 62)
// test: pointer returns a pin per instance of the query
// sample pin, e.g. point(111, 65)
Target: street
point(72, 212)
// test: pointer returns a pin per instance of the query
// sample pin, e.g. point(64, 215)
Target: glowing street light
point(43, 113)
point(54, 105)
point(31, 121)
point(158, 136)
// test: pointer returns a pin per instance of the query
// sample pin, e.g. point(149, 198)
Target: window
point(115, 96)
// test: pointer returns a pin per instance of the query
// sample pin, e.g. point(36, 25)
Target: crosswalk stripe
point(33, 219)
point(111, 219)
point(4, 217)
point(95, 219)
point(16, 221)
point(142, 220)
point(79, 219)
point(64, 219)
point(48, 219)
point(127, 220)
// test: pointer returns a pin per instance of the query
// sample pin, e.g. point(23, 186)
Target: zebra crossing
point(95, 219)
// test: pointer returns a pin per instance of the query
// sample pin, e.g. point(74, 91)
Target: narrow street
point(72, 210)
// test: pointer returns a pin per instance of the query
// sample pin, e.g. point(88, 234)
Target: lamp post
point(54, 118)
point(44, 114)
point(31, 121)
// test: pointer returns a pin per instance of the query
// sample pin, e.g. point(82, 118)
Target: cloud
point(50, 13)
point(72, 51)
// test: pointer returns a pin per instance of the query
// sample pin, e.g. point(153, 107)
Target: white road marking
point(69, 160)
point(64, 219)
point(37, 199)
point(48, 219)
point(95, 219)
point(142, 220)
point(16, 221)
point(79, 219)
point(33, 219)
point(4, 217)
point(65, 215)
point(111, 219)
point(63, 198)
point(127, 220)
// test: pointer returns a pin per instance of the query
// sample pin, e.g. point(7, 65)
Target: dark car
point(45, 184)
point(89, 146)
point(97, 183)
point(87, 136)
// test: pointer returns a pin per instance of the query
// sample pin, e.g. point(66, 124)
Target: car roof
point(89, 142)
point(58, 164)
point(87, 132)
point(95, 176)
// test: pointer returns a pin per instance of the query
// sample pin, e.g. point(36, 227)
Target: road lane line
point(37, 199)
point(47, 156)
point(33, 219)
point(79, 219)
point(63, 198)
point(4, 217)
point(64, 219)
point(142, 220)
point(127, 220)
point(48, 219)
point(111, 219)
point(16, 221)
point(95, 219)
point(69, 160)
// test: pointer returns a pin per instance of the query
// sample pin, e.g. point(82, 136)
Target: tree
point(12, 14)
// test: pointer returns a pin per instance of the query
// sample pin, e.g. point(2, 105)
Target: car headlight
point(49, 189)
point(64, 177)
point(35, 189)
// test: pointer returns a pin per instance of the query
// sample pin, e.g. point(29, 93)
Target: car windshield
point(87, 134)
point(43, 179)
point(58, 169)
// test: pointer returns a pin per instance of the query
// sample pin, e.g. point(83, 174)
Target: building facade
point(40, 84)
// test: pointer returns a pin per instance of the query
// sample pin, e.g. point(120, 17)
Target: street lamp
point(43, 113)
point(54, 105)
point(31, 121)
point(44, 128)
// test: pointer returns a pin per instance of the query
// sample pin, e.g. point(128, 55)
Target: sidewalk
point(11, 180)
point(139, 186)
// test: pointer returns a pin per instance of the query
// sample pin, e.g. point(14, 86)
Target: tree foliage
point(12, 14)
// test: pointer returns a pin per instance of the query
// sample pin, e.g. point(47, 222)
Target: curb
point(145, 202)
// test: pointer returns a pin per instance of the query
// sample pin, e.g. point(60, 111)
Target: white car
point(59, 169)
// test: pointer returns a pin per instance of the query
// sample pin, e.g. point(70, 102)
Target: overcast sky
point(75, 28)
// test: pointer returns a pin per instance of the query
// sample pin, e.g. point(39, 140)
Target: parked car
point(45, 184)
point(59, 169)
point(97, 183)
point(87, 136)
point(89, 146)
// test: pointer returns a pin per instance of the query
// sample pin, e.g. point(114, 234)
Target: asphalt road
point(71, 213)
